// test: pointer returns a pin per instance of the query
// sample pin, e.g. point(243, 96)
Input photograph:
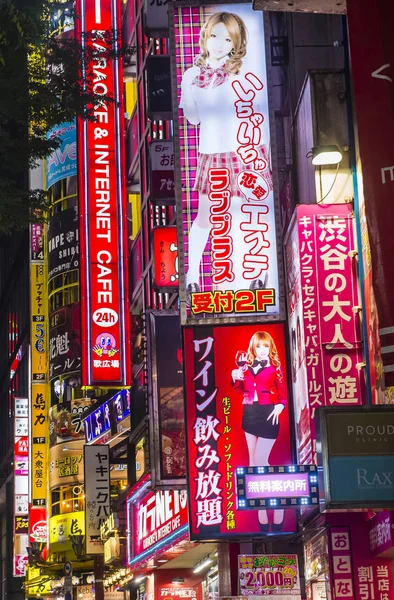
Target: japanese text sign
point(327, 340)
point(221, 415)
point(162, 172)
point(39, 443)
point(155, 521)
point(340, 554)
point(381, 540)
point(21, 480)
point(39, 321)
point(103, 226)
point(276, 487)
point(269, 575)
point(97, 495)
point(165, 256)
point(227, 217)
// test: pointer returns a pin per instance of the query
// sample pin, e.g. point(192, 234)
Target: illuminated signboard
point(103, 225)
point(225, 369)
point(165, 257)
point(21, 482)
point(225, 194)
point(156, 520)
point(276, 487)
point(107, 417)
point(269, 575)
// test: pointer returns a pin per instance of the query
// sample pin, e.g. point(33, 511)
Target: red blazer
point(266, 382)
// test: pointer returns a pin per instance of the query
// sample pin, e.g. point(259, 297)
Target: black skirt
point(254, 420)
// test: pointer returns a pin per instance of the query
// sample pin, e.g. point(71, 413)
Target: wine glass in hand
point(241, 360)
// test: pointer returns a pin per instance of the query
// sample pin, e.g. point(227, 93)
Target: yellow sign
point(62, 526)
point(66, 464)
point(39, 322)
point(39, 449)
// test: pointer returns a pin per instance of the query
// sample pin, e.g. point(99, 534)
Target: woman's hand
point(275, 414)
point(237, 375)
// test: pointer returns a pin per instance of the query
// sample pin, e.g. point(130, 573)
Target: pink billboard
point(324, 316)
point(227, 214)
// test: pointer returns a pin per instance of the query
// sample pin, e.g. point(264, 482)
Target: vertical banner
point(39, 398)
point(372, 58)
point(373, 575)
point(165, 258)
point(103, 224)
point(324, 320)
point(168, 425)
point(341, 570)
point(226, 368)
point(21, 485)
point(227, 217)
point(97, 495)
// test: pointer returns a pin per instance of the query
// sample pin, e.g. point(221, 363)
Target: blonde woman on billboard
point(260, 380)
point(208, 99)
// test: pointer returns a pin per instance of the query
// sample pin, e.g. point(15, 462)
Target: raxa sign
point(357, 456)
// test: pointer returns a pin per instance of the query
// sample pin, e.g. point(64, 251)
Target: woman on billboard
point(259, 378)
point(208, 99)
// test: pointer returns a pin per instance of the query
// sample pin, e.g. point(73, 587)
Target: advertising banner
point(225, 369)
point(39, 444)
point(37, 241)
point(357, 456)
point(162, 172)
point(373, 575)
point(381, 534)
point(372, 56)
point(228, 219)
point(39, 321)
point(168, 424)
point(97, 495)
point(154, 521)
point(63, 242)
point(269, 575)
point(65, 341)
point(62, 162)
point(21, 483)
point(103, 222)
point(324, 320)
point(165, 256)
point(62, 526)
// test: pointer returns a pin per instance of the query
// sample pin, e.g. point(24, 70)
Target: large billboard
point(103, 224)
point(227, 216)
point(324, 321)
point(236, 415)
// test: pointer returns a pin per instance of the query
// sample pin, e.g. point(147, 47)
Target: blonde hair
point(263, 336)
point(238, 34)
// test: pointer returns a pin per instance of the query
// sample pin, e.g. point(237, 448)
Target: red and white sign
point(37, 524)
point(154, 518)
point(165, 255)
point(324, 322)
point(103, 227)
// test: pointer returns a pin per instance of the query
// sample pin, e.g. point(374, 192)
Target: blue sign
point(361, 478)
point(62, 162)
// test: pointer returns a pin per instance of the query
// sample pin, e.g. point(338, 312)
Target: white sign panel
point(97, 495)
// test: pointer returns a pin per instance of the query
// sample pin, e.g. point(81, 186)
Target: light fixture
point(178, 580)
point(326, 155)
point(140, 578)
point(201, 565)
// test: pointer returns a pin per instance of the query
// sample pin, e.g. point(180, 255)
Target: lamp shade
point(326, 155)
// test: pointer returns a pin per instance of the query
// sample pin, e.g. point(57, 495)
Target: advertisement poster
point(105, 317)
point(168, 396)
point(226, 368)
point(63, 242)
point(65, 341)
point(62, 162)
point(227, 215)
point(269, 575)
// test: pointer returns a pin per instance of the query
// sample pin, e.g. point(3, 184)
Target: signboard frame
point(327, 498)
point(206, 319)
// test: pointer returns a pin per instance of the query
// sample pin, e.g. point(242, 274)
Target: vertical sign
point(225, 369)
point(21, 483)
point(373, 575)
point(341, 565)
point(226, 212)
point(103, 225)
point(324, 318)
point(39, 399)
point(372, 56)
point(97, 495)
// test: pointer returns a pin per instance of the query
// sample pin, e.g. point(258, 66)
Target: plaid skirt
point(232, 162)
